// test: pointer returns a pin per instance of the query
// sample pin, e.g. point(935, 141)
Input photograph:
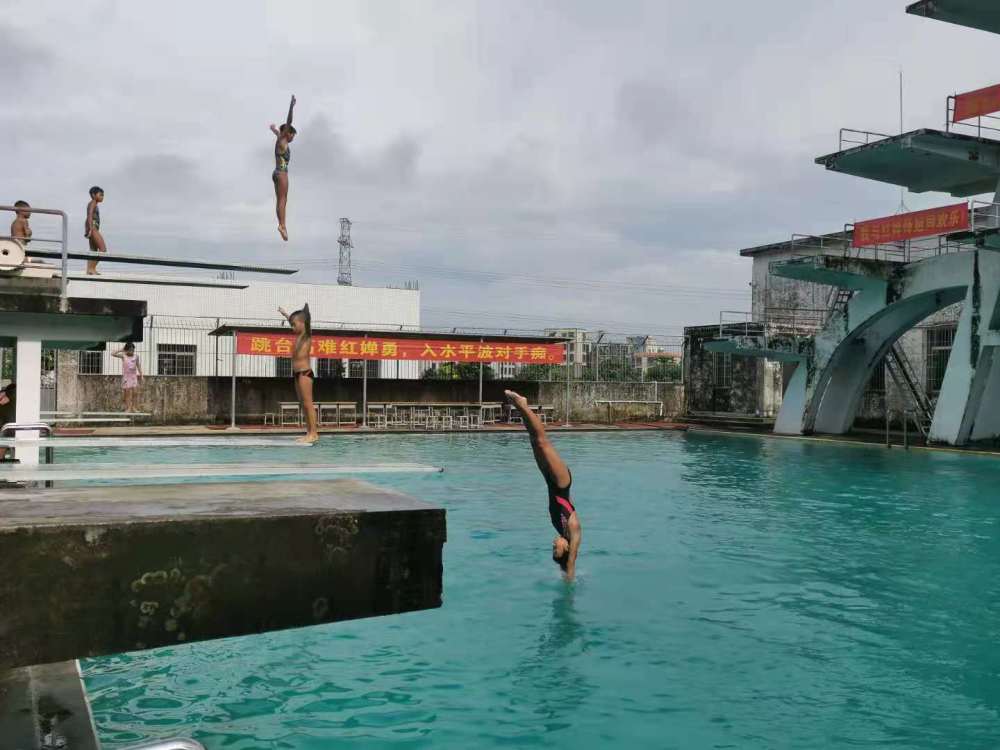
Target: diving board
point(148, 260)
point(138, 472)
point(158, 280)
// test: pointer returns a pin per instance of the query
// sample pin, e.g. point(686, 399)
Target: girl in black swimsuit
point(282, 155)
point(562, 513)
point(302, 374)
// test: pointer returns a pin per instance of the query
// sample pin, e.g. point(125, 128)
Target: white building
point(176, 338)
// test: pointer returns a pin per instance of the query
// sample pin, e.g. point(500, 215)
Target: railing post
point(888, 444)
point(64, 281)
point(906, 424)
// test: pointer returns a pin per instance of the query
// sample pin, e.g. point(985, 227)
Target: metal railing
point(851, 138)
point(971, 124)
point(181, 346)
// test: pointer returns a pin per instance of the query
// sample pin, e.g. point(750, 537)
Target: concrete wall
point(584, 395)
point(200, 400)
point(755, 387)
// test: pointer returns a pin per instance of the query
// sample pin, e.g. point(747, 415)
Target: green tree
point(457, 371)
point(665, 371)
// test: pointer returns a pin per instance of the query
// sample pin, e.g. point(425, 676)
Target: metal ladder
point(905, 377)
point(174, 744)
point(837, 302)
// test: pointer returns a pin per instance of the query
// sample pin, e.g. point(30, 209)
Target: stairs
point(905, 377)
point(839, 297)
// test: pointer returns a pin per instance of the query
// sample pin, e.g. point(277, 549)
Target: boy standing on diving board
point(302, 374)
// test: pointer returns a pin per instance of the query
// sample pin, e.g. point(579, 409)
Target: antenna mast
point(344, 274)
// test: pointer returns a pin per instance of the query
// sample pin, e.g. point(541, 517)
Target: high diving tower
point(888, 275)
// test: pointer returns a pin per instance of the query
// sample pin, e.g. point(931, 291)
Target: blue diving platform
point(975, 14)
point(923, 161)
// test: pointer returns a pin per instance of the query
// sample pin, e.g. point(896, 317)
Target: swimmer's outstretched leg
point(549, 461)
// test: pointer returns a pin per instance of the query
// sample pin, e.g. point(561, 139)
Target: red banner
point(977, 103)
point(931, 221)
point(428, 350)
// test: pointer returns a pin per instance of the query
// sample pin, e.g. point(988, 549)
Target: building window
point(283, 367)
point(355, 368)
point(175, 359)
point(937, 350)
point(722, 369)
point(91, 363)
point(329, 368)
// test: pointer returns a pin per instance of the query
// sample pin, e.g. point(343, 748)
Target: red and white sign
point(428, 350)
point(927, 223)
point(977, 103)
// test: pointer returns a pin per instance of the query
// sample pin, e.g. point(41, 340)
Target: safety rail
point(12, 428)
point(978, 127)
point(784, 323)
point(859, 138)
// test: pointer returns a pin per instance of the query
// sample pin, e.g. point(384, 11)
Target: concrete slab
point(45, 707)
point(101, 570)
point(32, 310)
point(976, 14)
point(924, 160)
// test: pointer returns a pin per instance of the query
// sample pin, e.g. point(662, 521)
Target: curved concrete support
point(853, 343)
point(789, 421)
point(847, 373)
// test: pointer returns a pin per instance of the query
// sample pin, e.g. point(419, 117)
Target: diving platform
point(85, 472)
point(975, 14)
point(126, 568)
point(922, 161)
point(152, 260)
point(843, 272)
point(776, 351)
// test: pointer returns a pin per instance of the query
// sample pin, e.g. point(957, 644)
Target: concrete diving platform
point(839, 271)
point(782, 349)
point(923, 161)
point(103, 570)
point(975, 14)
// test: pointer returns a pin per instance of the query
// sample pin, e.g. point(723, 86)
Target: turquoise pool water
point(733, 593)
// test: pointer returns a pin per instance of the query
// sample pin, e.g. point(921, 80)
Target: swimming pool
point(733, 592)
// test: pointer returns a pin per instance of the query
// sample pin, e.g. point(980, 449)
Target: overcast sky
point(635, 143)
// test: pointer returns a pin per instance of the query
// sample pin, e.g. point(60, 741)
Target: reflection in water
point(547, 681)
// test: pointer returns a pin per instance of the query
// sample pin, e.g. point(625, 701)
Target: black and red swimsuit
point(560, 506)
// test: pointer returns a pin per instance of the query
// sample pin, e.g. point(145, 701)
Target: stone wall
point(585, 394)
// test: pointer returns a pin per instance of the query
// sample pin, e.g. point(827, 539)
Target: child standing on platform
point(92, 228)
point(131, 374)
point(302, 374)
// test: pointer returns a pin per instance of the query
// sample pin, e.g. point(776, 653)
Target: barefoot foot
point(283, 232)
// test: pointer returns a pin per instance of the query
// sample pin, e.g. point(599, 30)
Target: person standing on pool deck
point(569, 534)
point(302, 374)
point(92, 228)
point(8, 411)
point(282, 155)
point(131, 374)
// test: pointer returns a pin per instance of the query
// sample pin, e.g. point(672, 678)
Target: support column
point(970, 366)
point(793, 404)
point(29, 394)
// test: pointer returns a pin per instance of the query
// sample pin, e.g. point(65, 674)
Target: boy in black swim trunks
point(566, 545)
point(302, 374)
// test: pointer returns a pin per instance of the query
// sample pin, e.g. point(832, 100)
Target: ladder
point(905, 377)
point(837, 302)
